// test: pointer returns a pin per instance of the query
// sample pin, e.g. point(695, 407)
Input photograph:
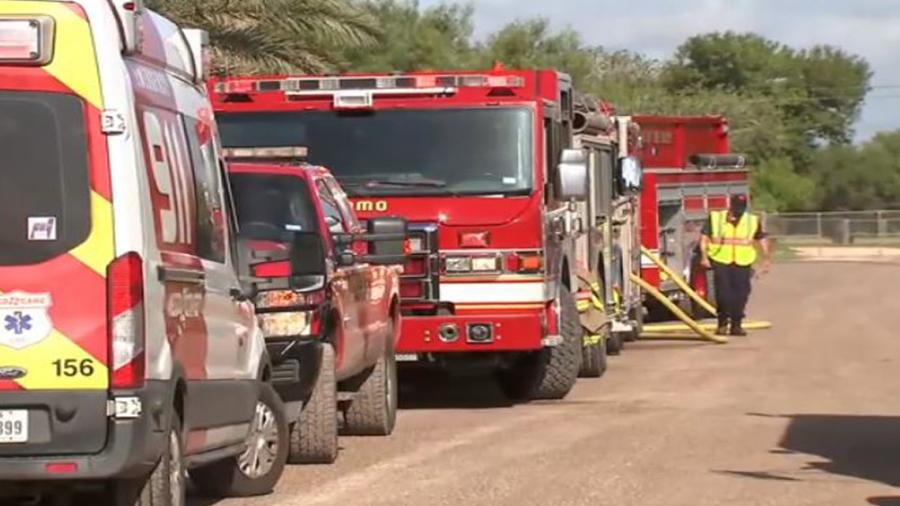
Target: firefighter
point(729, 247)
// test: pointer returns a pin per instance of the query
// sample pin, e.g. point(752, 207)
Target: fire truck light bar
point(26, 40)
point(377, 84)
point(291, 152)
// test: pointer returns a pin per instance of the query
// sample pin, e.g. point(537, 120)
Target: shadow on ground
point(864, 447)
point(885, 501)
point(427, 390)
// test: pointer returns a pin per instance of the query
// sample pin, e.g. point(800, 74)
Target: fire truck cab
point(472, 161)
point(690, 171)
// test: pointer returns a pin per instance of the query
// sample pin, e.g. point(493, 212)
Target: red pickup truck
point(327, 298)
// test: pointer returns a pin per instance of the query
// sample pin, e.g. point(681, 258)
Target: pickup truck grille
point(419, 282)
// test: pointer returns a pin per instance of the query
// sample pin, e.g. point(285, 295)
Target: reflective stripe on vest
point(730, 243)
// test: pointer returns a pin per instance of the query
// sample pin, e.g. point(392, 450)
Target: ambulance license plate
point(13, 426)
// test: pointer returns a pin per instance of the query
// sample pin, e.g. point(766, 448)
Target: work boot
point(737, 329)
point(722, 329)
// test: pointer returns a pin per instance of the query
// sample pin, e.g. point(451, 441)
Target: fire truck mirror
point(631, 173)
point(572, 176)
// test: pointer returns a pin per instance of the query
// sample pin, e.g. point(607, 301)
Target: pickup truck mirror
point(386, 237)
point(572, 176)
point(299, 265)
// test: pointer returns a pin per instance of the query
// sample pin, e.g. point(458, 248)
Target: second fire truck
point(690, 171)
point(480, 165)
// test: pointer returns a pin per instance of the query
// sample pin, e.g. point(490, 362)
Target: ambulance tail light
point(125, 278)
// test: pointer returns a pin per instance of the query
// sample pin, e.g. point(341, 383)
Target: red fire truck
point(476, 163)
point(689, 170)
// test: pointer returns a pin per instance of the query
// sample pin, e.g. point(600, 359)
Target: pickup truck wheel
point(373, 410)
point(593, 362)
point(314, 437)
point(256, 471)
point(166, 484)
point(551, 372)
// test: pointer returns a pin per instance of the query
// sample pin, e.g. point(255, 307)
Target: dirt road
point(805, 414)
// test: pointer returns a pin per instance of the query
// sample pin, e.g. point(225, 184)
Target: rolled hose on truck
point(676, 331)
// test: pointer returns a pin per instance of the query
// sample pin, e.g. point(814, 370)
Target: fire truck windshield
point(483, 151)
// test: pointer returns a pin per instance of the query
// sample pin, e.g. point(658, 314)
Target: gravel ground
point(807, 413)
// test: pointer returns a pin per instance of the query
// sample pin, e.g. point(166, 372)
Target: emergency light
point(26, 40)
point(375, 84)
point(272, 153)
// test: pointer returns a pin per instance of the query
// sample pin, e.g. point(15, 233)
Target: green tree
point(531, 44)
point(819, 91)
point(274, 36)
point(414, 39)
point(864, 177)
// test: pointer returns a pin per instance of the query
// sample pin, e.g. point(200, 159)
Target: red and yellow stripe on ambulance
point(53, 328)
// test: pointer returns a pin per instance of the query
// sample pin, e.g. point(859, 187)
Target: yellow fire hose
point(679, 281)
point(680, 327)
point(681, 315)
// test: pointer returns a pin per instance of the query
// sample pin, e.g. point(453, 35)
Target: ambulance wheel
point(373, 410)
point(593, 361)
point(551, 372)
point(314, 436)
point(166, 484)
point(256, 471)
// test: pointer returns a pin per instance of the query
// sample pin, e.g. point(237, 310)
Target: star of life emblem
point(24, 319)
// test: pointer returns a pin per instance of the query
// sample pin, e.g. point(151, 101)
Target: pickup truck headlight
point(286, 324)
point(279, 298)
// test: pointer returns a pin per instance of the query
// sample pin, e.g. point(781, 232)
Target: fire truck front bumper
point(525, 331)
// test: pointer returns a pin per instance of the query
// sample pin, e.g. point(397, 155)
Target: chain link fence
point(839, 228)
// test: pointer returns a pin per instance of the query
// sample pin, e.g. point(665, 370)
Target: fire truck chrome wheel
point(262, 444)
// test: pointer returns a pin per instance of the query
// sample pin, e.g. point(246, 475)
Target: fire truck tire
point(252, 473)
point(615, 343)
point(550, 373)
point(373, 410)
point(314, 436)
point(593, 361)
point(158, 489)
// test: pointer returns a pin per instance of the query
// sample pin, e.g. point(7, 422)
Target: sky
point(868, 28)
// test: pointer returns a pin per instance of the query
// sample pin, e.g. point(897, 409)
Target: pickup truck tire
point(314, 436)
point(593, 361)
point(166, 484)
point(373, 410)
point(258, 469)
point(551, 372)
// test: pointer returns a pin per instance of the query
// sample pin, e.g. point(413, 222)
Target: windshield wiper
point(411, 183)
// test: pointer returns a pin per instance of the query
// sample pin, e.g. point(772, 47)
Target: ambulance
point(130, 354)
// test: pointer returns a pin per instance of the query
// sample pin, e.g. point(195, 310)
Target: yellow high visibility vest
point(732, 243)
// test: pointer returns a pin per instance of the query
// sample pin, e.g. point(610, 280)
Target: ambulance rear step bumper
point(129, 447)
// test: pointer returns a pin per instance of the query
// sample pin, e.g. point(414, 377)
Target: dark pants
point(732, 291)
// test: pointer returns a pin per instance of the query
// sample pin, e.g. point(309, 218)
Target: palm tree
point(276, 36)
